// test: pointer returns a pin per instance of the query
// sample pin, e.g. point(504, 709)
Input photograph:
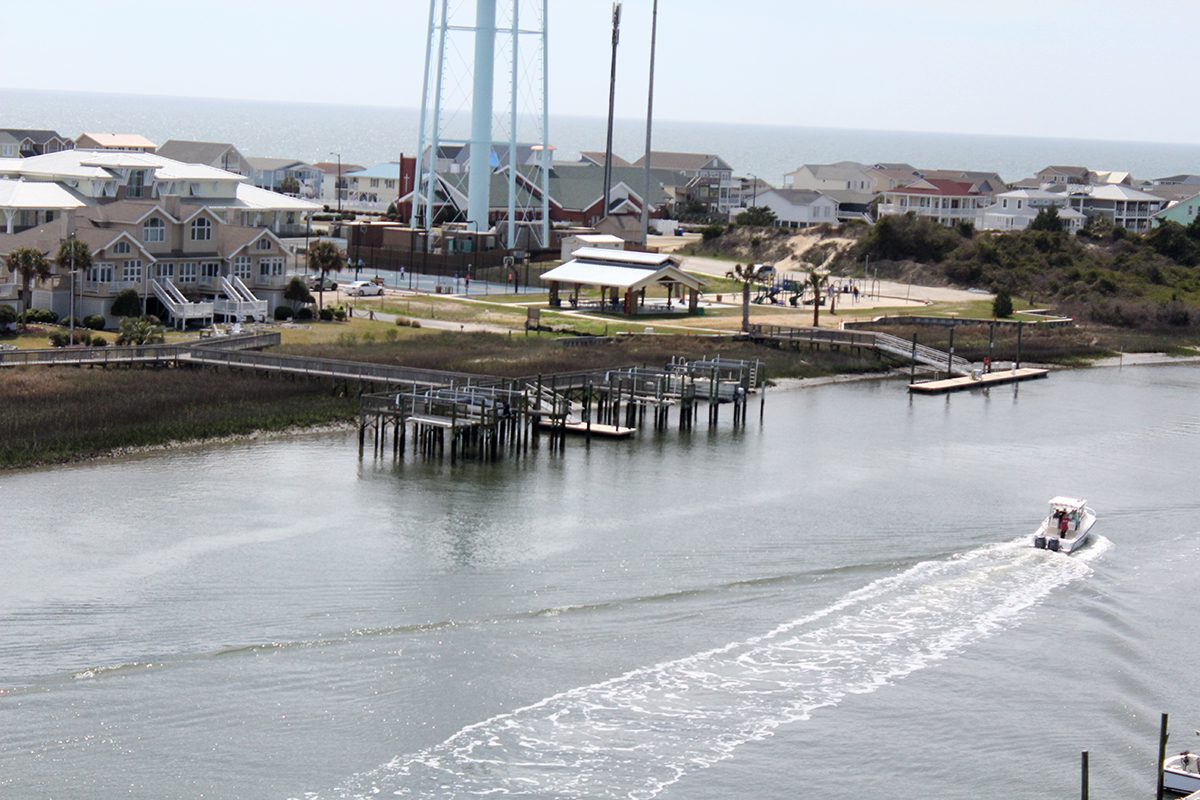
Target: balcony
point(9, 291)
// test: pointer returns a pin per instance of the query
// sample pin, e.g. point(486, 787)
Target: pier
point(481, 418)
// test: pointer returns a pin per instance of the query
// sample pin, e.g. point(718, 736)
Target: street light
point(337, 187)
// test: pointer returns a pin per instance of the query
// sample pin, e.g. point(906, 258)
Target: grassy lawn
point(329, 332)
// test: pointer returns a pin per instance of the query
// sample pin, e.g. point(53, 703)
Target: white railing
point(180, 308)
point(239, 302)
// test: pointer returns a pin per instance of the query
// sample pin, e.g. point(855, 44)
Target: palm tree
point(817, 281)
point(324, 257)
point(747, 274)
point(72, 255)
point(28, 264)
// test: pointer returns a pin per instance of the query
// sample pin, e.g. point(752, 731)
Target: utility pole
point(71, 255)
point(337, 187)
point(612, 99)
point(649, 123)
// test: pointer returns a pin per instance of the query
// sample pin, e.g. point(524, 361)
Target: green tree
point(297, 293)
point(1193, 228)
point(28, 264)
point(324, 257)
point(127, 304)
point(1002, 306)
point(1172, 240)
point(8, 316)
point(756, 216)
point(1047, 220)
point(817, 281)
point(139, 331)
point(747, 274)
point(289, 185)
point(73, 254)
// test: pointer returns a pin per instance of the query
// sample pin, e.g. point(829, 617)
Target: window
point(264, 243)
point(154, 230)
point(374, 183)
point(241, 267)
point(210, 270)
point(201, 230)
point(131, 271)
point(390, 183)
point(122, 248)
point(164, 269)
point(100, 272)
point(187, 273)
point(137, 183)
point(270, 266)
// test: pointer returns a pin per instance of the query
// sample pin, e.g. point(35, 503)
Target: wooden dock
point(967, 382)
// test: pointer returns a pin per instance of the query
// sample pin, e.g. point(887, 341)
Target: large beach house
point(192, 240)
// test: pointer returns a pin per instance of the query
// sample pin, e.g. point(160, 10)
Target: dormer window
point(264, 243)
point(201, 230)
point(122, 248)
point(154, 231)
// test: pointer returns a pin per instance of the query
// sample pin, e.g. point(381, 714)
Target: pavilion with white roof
point(33, 203)
point(624, 277)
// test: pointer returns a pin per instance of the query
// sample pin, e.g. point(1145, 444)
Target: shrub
point(347, 339)
point(710, 232)
point(1002, 306)
point(99, 341)
point(58, 339)
point(40, 315)
point(127, 304)
point(94, 322)
point(327, 315)
point(304, 314)
point(66, 322)
point(8, 316)
point(282, 313)
point(339, 314)
point(392, 335)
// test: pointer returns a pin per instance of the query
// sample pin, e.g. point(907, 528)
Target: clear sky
point(1097, 69)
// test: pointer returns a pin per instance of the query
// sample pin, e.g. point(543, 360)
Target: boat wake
point(636, 734)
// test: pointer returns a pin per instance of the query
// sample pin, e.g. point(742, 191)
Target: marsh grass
point(518, 356)
point(54, 415)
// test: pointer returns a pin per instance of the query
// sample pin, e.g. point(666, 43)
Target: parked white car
point(364, 289)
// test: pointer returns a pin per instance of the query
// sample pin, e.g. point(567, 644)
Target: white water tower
point(507, 34)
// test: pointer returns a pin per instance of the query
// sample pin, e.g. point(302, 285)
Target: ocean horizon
point(371, 134)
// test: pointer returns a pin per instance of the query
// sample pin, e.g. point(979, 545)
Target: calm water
point(836, 602)
point(370, 134)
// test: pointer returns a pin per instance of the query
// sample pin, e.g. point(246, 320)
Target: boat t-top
point(1067, 527)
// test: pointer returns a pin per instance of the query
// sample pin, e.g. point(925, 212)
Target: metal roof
point(35, 195)
point(589, 273)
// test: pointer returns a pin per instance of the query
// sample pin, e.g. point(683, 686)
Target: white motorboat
point(1181, 773)
point(1067, 527)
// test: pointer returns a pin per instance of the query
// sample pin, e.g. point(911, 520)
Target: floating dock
point(597, 429)
point(964, 383)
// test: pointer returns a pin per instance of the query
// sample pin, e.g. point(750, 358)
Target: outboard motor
point(1039, 542)
point(1052, 544)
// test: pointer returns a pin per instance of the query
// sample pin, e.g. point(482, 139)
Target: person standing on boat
point(1063, 524)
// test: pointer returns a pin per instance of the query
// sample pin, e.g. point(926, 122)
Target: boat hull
point(1181, 773)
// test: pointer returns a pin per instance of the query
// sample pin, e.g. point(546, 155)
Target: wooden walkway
point(967, 382)
point(880, 343)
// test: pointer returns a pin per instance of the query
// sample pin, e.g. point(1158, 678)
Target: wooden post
point(1162, 733)
point(950, 355)
point(1083, 791)
point(912, 373)
point(1018, 362)
point(991, 341)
